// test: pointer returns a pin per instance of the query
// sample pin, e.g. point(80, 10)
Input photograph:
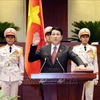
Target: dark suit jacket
point(44, 55)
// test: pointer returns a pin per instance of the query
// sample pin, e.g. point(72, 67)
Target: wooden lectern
point(62, 86)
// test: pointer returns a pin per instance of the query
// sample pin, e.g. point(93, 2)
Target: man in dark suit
point(44, 54)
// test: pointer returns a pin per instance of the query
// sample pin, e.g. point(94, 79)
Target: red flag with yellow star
point(35, 24)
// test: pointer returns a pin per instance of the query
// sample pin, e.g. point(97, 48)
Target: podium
point(62, 86)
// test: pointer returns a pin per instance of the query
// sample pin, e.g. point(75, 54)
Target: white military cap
point(84, 31)
point(47, 29)
point(9, 31)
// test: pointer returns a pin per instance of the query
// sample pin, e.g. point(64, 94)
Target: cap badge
point(10, 30)
point(84, 31)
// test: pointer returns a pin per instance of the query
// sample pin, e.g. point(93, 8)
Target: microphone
point(43, 64)
point(60, 65)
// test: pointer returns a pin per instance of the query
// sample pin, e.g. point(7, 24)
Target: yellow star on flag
point(33, 15)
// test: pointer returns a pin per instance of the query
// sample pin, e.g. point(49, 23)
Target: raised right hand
point(36, 38)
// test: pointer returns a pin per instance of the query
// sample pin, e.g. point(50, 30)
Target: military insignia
point(14, 56)
point(10, 30)
point(90, 53)
point(15, 53)
point(84, 31)
point(4, 53)
point(80, 51)
point(8, 65)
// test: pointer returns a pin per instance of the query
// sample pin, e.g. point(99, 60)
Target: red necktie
point(54, 55)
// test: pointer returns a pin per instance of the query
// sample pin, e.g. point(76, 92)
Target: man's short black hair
point(58, 29)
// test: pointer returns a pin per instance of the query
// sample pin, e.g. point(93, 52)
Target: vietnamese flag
point(35, 24)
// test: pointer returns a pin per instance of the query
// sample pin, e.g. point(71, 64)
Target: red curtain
point(35, 24)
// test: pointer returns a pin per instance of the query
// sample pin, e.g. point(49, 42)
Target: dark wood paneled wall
point(56, 14)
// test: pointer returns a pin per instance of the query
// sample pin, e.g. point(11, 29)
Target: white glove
point(96, 80)
point(20, 82)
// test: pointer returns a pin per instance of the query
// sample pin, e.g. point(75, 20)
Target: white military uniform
point(12, 69)
point(89, 57)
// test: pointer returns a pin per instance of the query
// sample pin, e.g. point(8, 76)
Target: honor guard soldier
point(47, 31)
point(11, 65)
point(88, 54)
